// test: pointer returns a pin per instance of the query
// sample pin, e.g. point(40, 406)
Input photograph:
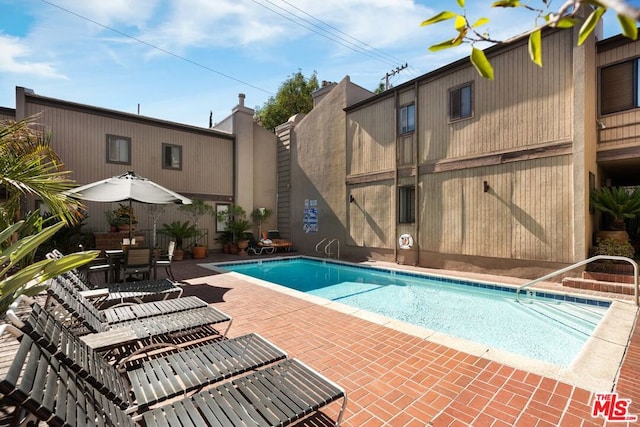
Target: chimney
point(241, 97)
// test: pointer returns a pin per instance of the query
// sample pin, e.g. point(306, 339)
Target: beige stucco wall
point(318, 167)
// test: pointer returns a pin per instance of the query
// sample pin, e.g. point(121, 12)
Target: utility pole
point(393, 73)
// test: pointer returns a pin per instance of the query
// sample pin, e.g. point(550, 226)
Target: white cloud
point(16, 56)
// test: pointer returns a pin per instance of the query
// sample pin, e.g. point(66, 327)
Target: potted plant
point(179, 231)
point(618, 205)
point(125, 217)
point(238, 226)
point(197, 209)
point(260, 215)
point(110, 216)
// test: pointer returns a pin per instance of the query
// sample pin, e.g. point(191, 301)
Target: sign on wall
point(310, 220)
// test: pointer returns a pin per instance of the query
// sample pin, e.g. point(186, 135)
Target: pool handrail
point(319, 243)
point(587, 261)
point(327, 249)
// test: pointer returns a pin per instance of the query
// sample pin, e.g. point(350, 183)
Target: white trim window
point(407, 119)
point(171, 156)
point(118, 149)
point(461, 102)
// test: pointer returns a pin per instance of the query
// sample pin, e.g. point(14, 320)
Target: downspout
point(416, 165)
point(395, 178)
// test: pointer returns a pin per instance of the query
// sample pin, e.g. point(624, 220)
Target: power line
point(175, 55)
point(343, 33)
point(334, 38)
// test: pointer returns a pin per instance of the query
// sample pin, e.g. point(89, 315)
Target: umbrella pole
point(130, 223)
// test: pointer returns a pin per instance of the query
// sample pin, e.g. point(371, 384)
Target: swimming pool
point(547, 327)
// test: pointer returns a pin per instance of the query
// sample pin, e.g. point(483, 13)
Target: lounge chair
point(113, 293)
point(39, 386)
point(257, 249)
point(278, 242)
point(64, 293)
point(151, 381)
point(86, 319)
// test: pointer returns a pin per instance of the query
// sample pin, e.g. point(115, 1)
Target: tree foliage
point(29, 166)
point(566, 16)
point(293, 97)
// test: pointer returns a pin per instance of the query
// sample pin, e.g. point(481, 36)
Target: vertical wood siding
point(525, 214)
point(371, 215)
point(508, 113)
point(80, 140)
point(622, 129)
point(371, 137)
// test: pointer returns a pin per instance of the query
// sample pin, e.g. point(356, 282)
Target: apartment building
point(221, 165)
point(451, 170)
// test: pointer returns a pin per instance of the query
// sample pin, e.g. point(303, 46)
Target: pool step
point(574, 316)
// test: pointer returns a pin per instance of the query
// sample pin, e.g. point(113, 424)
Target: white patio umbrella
point(128, 187)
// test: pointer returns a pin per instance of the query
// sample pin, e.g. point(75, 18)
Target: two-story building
point(220, 165)
point(451, 170)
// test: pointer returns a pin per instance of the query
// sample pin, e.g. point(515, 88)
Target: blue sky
point(180, 59)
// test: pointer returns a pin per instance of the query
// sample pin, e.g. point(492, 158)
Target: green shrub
point(612, 247)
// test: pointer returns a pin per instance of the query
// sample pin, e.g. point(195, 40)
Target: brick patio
point(397, 379)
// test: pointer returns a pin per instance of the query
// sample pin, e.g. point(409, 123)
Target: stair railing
point(581, 263)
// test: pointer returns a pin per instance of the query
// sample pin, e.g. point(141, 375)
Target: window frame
point(457, 91)
point(180, 160)
point(634, 90)
point(407, 204)
point(407, 128)
point(127, 139)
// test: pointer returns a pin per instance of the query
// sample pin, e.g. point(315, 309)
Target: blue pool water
point(543, 326)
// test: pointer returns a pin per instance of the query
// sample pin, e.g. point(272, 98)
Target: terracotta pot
point(619, 235)
point(226, 248)
point(178, 255)
point(242, 246)
point(198, 252)
point(233, 249)
point(125, 227)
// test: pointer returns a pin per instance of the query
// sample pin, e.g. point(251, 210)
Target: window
point(619, 87)
point(171, 156)
point(118, 149)
point(460, 106)
point(406, 204)
point(407, 118)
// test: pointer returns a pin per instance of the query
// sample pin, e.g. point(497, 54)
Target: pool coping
point(595, 368)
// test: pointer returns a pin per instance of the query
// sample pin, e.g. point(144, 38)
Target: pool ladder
point(587, 261)
point(326, 249)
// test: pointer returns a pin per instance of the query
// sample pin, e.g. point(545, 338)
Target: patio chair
point(256, 249)
point(137, 263)
point(165, 262)
point(39, 386)
point(152, 380)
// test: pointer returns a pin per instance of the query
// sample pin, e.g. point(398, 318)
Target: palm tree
point(29, 166)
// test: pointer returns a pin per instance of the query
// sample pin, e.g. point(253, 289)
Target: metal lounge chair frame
point(256, 249)
point(37, 383)
point(63, 292)
point(87, 319)
point(111, 293)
